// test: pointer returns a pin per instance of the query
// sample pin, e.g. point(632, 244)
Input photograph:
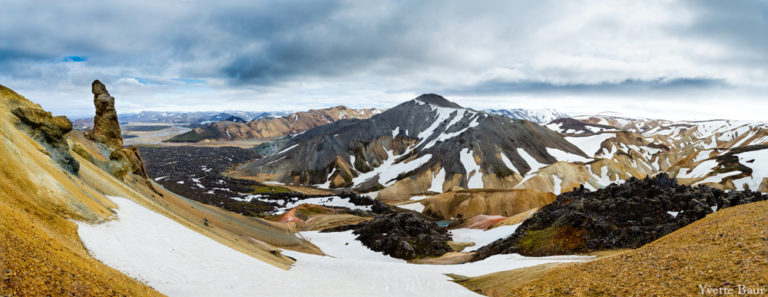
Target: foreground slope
point(40, 252)
point(52, 176)
point(724, 249)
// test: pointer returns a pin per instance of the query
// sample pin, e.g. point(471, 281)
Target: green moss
point(552, 241)
point(269, 189)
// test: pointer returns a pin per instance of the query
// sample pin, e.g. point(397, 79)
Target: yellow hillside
point(724, 250)
point(40, 251)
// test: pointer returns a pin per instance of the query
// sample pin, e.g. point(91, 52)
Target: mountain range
point(183, 118)
point(271, 126)
point(432, 145)
point(540, 116)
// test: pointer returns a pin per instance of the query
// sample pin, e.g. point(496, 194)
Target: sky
point(661, 59)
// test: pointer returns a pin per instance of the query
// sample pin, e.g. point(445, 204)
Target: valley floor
point(180, 262)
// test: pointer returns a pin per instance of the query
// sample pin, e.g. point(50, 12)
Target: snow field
point(180, 262)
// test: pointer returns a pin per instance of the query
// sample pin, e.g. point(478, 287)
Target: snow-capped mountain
point(541, 116)
point(428, 144)
point(720, 153)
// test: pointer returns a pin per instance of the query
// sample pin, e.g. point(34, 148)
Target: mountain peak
point(437, 100)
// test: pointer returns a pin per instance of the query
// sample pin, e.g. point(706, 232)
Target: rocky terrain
point(626, 215)
point(196, 173)
point(726, 249)
point(227, 129)
point(49, 131)
point(402, 235)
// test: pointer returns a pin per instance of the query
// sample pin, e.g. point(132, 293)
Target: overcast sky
point(662, 59)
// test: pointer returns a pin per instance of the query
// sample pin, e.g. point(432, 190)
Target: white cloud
point(263, 55)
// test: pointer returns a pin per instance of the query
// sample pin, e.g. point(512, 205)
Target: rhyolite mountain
point(267, 127)
point(427, 144)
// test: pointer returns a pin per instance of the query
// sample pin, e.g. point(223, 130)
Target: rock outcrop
point(50, 132)
point(401, 235)
point(106, 133)
point(625, 215)
point(106, 127)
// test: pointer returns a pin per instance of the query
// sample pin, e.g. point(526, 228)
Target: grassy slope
point(725, 249)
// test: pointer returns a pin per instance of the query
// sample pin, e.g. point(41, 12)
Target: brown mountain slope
point(724, 250)
point(273, 127)
point(464, 204)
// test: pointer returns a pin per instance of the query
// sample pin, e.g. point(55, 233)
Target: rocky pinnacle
point(106, 128)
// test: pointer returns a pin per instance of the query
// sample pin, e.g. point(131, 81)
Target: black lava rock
point(401, 235)
point(626, 215)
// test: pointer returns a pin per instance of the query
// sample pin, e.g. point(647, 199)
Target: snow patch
point(482, 237)
point(508, 163)
point(535, 165)
point(180, 262)
point(589, 144)
point(468, 161)
point(288, 149)
point(437, 181)
point(565, 156)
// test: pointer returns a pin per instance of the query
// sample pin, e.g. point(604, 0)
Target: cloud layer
point(581, 56)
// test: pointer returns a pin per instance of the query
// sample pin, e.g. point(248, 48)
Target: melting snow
point(589, 144)
point(535, 165)
point(287, 149)
point(556, 181)
point(437, 181)
point(508, 163)
point(415, 206)
point(482, 237)
point(717, 178)
point(468, 161)
point(759, 169)
point(388, 170)
point(330, 201)
point(179, 262)
point(700, 170)
point(565, 156)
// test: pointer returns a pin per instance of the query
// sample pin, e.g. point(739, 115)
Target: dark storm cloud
point(625, 86)
point(341, 49)
point(328, 38)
